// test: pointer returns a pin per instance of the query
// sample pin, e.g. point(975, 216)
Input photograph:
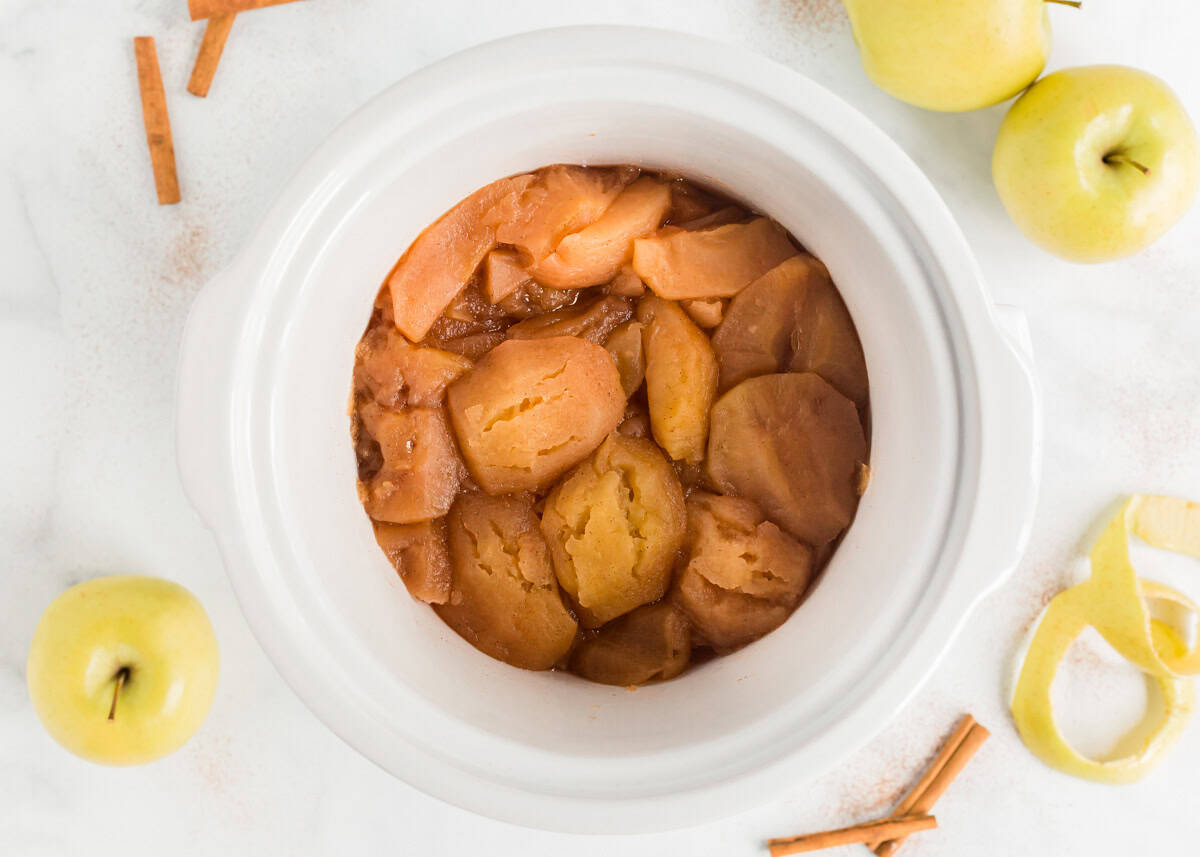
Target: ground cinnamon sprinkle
point(820, 16)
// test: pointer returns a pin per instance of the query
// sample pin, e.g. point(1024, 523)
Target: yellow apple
point(122, 670)
point(952, 54)
point(1096, 162)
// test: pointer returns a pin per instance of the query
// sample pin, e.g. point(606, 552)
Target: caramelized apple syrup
point(605, 419)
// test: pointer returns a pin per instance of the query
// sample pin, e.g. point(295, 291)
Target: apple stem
point(122, 674)
point(1075, 3)
point(1118, 158)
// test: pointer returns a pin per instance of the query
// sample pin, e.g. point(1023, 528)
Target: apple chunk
point(625, 346)
point(683, 264)
point(744, 576)
point(397, 373)
point(560, 200)
point(653, 643)
point(504, 600)
point(444, 257)
point(595, 254)
point(681, 378)
point(792, 319)
point(421, 470)
point(533, 408)
point(613, 526)
point(418, 553)
point(794, 445)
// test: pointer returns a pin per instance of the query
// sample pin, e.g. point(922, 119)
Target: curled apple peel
point(1115, 601)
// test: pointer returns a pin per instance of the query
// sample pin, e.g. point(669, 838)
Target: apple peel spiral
point(1116, 602)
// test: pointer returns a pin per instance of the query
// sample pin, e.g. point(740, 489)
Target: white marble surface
point(95, 286)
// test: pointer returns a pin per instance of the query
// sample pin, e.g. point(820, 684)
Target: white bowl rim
point(1003, 371)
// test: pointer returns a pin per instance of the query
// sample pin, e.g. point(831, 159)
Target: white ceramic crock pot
point(265, 453)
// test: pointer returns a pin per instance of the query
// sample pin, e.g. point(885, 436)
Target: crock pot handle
point(202, 395)
point(1011, 470)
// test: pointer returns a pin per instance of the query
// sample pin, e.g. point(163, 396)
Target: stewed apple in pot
point(606, 418)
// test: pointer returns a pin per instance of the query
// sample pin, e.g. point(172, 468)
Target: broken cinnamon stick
point(211, 46)
point(884, 828)
point(966, 739)
point(211, 8)
point(158, 124)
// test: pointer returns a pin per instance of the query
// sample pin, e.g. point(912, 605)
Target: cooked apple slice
point(595, 254)
point(689, 202)
point(706, 314)
point(792, 444)
point(613, 526)
point(532, 408)
point(625, 346)
point(438, 265)
point(503, 274)
point(744, 576)
point(504, 599)
point(653, 643)
point(681, 378)
point(397, 373)
point(421, 470)
point(593, 321)
point(792, 318)
point(419, 554)
point(561, 200)
point(627, 283)
point(710, 263)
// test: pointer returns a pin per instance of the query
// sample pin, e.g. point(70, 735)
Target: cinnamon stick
point(211, 46)
point(211, 8)
point(158, 124)
point(966, 739)
point(884, 828)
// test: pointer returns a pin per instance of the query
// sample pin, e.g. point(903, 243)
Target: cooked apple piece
point(689, 202)
point(625, 346)
point(627, 283)
point(595, 254)
point(744, 576)
point(792, 319)
point(503, 274)
point(681, 378)
point(420, 471)
point(710, 263)
point(397, 373)
point(532, 408)
point(706, 314)
point(438, 265)
point(792, 444)
point(728, 214)
point(613, 526)
point(592, 321)
point(504, 599)
point(420, 556)
point(561, 200)
point(653, 643)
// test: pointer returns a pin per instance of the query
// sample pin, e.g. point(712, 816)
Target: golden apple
point(122, 670)
point(952, 54)
point(1096, 162)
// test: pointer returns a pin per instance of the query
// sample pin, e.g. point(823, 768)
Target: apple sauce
point(609, 421)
